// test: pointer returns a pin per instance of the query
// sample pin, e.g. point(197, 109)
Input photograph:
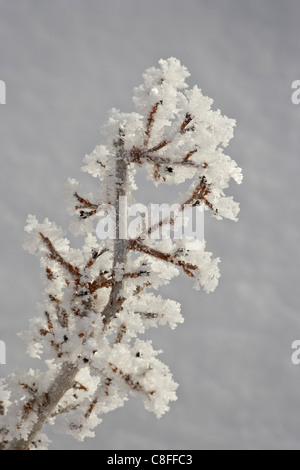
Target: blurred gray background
point(65, 64)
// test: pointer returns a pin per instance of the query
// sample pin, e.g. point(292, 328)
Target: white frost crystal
point(99, 299)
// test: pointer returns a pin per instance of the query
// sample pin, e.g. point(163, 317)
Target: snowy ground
point(64, 66)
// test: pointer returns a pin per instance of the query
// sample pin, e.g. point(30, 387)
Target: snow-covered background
point(65, 64)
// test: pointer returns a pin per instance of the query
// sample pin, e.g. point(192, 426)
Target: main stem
point(120, 244)
point(66, 378)
point(63, 382)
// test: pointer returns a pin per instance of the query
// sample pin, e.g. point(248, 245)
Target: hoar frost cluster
point(99, 299)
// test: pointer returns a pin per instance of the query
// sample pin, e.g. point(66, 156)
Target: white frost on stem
point(99, 299)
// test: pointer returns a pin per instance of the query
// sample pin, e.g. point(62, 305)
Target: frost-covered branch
point(101, 298)
point(188, 268)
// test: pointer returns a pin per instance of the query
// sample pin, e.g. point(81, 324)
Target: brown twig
point(87, 208)
point(188, 155)
point(183, 130)
point(85, 203)
point(136, 386)
point(102, 282)
point(139, 156)
point(148, 315)
point(95, 255)
point(121, 333)
point(188, 268)
point(54, 255)
point(199, 194)
point(188, 119)
point(150, 121)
